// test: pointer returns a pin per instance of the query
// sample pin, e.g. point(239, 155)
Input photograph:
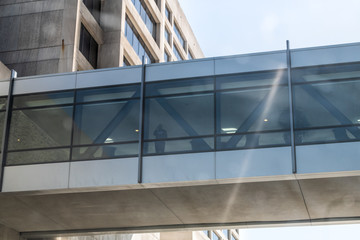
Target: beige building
point(53, 36)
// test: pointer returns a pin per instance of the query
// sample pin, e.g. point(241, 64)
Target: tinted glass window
point(109, 93)
point(44, 99)
point(177, 53)
point(88, 46)
point(179, 35)
point(38, 156)
point(108, 122)
point(180, 86)
point(105, 151)
point(40, 128)
point(179, 116)
point(94, 6)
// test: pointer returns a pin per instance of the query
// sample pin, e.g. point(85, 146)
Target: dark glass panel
point(327, 104)
point(166, 57)
point(181, 116)
point(38, 156)
point(44, 99)
point(177, 53)
point(167, 13)
point(180, 86)
point(251, 79)
point(109, 93)
point(179, 146)
point(103, 152)
point(40, 128)
point(338, 134)
point(107, 122)
point(3, 103)
point(325, 73)
point(126, 62)
point(255, 140)
point(252, 110)
point(2, 119)
point(88, 46)
point(94, 6)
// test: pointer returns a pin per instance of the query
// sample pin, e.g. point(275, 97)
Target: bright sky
point(231, 27)
point(228, 27)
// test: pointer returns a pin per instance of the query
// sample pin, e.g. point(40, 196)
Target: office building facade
point(47, 36)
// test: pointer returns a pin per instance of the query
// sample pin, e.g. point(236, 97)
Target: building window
point(177, 54)
point(168, 14)
point(167, 36)
point(94, 7)
point(166, 57)
point(146, 16)
point(190, 56)
point(215, 236)
point(136, 42)
point(88, 46)
point(179, 36)
point(126, 63)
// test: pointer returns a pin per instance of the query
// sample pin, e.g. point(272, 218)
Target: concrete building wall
point(43, 36)
point(36, 37)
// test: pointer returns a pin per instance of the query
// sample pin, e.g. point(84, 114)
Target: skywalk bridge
point(260, 139)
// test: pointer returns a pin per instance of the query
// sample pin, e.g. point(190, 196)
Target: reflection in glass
point(255, 79)
point(3, 103)
point(105, 152)
point(326, 73)
point(253, 110)
point(327, 104)
point(180, 116)
point(109, 93)
point(2, 119)
point(180, 86)
point(178, 146)
point(336, 134)
point(253, 140)
point(40, 128)
point(38, 156)
point(43, 99)
point(108, 122)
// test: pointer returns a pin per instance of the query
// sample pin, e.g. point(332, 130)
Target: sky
point(231, 27)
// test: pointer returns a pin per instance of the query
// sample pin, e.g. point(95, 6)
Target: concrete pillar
point(9, 234)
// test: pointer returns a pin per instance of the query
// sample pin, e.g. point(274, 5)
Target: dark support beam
point(5, 137)
point(141, 121)
point(291, 109)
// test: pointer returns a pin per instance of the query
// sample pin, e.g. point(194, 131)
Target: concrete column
point(9, 234)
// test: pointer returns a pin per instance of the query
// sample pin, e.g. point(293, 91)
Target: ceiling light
point(136, 130)
point(229, 130)
point(109, 140)
point(266, 120)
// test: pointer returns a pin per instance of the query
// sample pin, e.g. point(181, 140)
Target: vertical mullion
point(291, 109)
point(73, 125)
point(141, 121)
point(7, 120)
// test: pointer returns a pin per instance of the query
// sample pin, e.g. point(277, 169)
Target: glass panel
point(327, 104)
point(3, 103)
point(253, 140)
point(2, 119)
point(225, 232)
point(103, 152)
point(38, 156)
point(214, 236)
point(252, 110)
point(107, 122)
point(181, 86)
point(167, 13)
point(167, 35)
point(334, 72)
point(232, 237)
point(182, 116)
point(177, 54)
point(251, 79)
point(40, 128)
point(178, 146)
point(338, 134)
point(179, 36)
point(99, 94)
point(44, 99)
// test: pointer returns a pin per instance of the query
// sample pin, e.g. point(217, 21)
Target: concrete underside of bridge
point(289, 202)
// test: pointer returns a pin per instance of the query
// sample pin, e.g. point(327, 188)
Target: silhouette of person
point(160, 133)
